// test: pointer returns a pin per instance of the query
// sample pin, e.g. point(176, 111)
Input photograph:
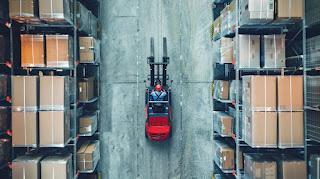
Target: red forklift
point(158, 112)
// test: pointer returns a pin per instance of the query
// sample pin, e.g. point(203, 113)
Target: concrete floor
point(127, 26)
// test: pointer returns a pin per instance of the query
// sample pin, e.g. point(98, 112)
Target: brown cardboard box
point(224, 156)
point(88, 155)
point(274, 51)
point(89, 50)
point(24, 93)
point(56, 10)
point(23, 10)
point(59, 51)
point(289, 9)
point(223, 123)
point(54, 93)
point(290, 130)
point(291, 168)
point(87, 89)
point(249, 51)
point(3, 86)
point(88, 124)
point(217, 27)
point(26, 167)
point(32, 50)
point(59, 166)
point(290, 93)
point(226, 50)
point(54, 128)
point(258, 166)
point(228, 19)
point(24, 129)
point(253, 11)
point(259, 93)
point(315, 166)
point(261, 129)
point(221, 90)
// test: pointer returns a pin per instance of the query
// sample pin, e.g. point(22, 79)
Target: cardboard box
point(274, 51)
point(249, 51)
point(89, 50)
point(290, 130)
point(24, 129)
point(217, 27)
point(228, 19)
point(258, 166)
point(290, 93)
point(224, 156)
point(226, 50)
point(87, 89)
point(88, 124)
point(223, 123)
point(24, 93)
point(23, 10)
point(221, 90)
point(54, 93)
point(259, 93)
point(291, 168)
point(60, 11)
point(59, 166)
point(26, 167)
point(88, 156)
point(260, 129)
point(289, 9)
point(253, 11)
point(4, 118)
point(233, 91)
point(315, 166)
point(54, 128)
point(3, 86)
point(59, 51)
point(32, 50)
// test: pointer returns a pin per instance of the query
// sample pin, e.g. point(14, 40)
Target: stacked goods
point(57, 166)
point(249, 51)
point(313, 52)
point(289, 9)
point(86, 21)
point(312, 15)
point(228, 19)
point(59, 51)
point(315, 166)
point(253, 11)
point(88, 124)
point(24, 129)
point(89, 50)
point(274, 51)
point(87, 90)
point(217, 28)
point(258, 166)
point(27, 167)
point(223, 124)
point(224, 156)
point(60, 11)
point(32, 50)
point(290, 167)
point(221, 90)
point(226, 50)
point(24, 10)
point(88, 156)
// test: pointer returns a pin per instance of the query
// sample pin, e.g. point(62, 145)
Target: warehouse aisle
point(127, 27)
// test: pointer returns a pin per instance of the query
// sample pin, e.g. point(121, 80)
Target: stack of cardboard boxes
point(221, 90)
point(88, 156)
point(223, 123)
point(228, 19)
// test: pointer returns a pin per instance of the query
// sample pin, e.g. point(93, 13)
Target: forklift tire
point(145, 133)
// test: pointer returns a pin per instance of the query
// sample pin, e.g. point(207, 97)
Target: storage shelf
point(90, 101)
point(312, 108)
point(224, 101)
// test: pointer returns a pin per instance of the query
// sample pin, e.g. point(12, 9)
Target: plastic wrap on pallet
point(287, 9)
point(312, 15)
point(54, 128)
point(88, 155)
point(24, 10)
point(223, 123)
point(54, 93)
point(258, 166)
point(27, 167)
point(274, 51)
point(24, 91)
point(32, 50)
point(290, 130)
point(226, 50)
point(4, 119)
point(59, 166)
point(315, 166)
point(56, 11)
point(59, 50)
point(249, 51)
point(221, 90)
point(228, 19)
point(313, 52)
point(223, 156)
point(233, 91)
point(88, 124)
point(313, 91)
point(313, 125)
point(254, 11)
point(24, 129)
point(290, 167)
point(89, 50)
point(290, 93)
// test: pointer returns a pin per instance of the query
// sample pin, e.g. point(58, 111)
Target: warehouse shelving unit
point(294, 30)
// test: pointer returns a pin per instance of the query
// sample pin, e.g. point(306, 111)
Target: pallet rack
point(293, 28)
point(15, 29)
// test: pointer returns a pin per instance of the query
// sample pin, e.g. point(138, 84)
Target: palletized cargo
point(290, 167)
point(249, 51)
point(258, 166)
point(290, 93)
point(59, 51)
point(221, 90)
point(59, 166)
point(88, 124)
point(290, 130)
point(223, 123)
point(87, 89)
point(253, 11)
point(56, 11)
point(274, 51)
point(88, 156)
point(32, 50)
point(288, 9)
point(89, 50)
point(223, 156)
point(24, 129)
point(226, 50)
point(24, 10)
point(26, 167)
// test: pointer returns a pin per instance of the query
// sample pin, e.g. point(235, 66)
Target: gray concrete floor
point(127, 26)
